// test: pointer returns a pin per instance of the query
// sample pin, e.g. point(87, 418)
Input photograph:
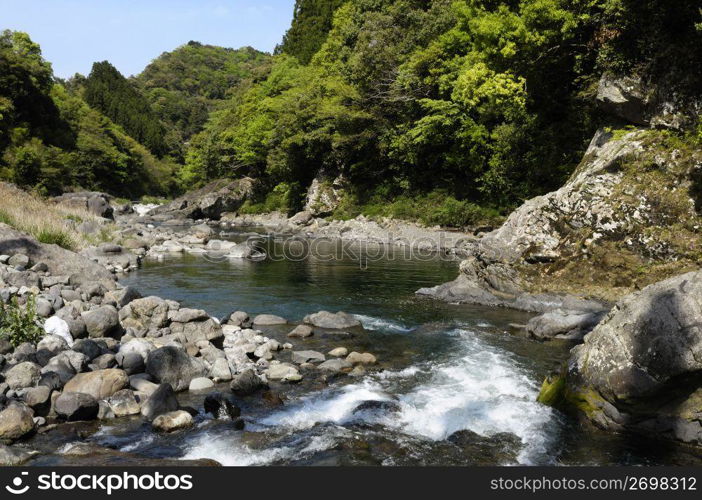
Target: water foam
point(381, 324)
point(481, 388)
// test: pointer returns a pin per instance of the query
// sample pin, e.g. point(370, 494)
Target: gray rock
point(357, 358)
point(174, 366)
point(75, 406)
point(66, 364)
point(195, 331)
point(334, 321)
point(563, 324)
point(25, 352)
point(239, 318)
point(61, 262)
point(300, 357)
point(105, 411)
point(283, 372)
point(16, 421)
point(23, 375)
point(123, 296)
point(247, 383)
point(338, 352)
point(104, 361)
point(73, 318)
point(145, 315)
point(220, 406)
point(220, 371)
point(102, 322)
point(13, 456)
point(211, 201)
point(301, 331)
point(43, 308)
point(48, 347)
point(142, 385)
point(89, 347)
point(269, 320)
point(39, 399)
point(648, 340)
point(19, 261)
point(625, 97)
point(123, 403)
point(200, 384)
point(173, 421)
point(336, 366)
point(138, 346)
point(130, 362)
point(185, 315)
point(162, 400)
point(100, 384)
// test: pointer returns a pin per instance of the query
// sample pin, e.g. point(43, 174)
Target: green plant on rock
point(19, 323)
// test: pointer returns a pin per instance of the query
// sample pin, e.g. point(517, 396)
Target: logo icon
point(17, 483)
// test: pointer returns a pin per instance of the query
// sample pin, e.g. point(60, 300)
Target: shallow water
point(452, 386)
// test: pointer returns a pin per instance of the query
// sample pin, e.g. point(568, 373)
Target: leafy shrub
point(284, 198)
point(18, 323)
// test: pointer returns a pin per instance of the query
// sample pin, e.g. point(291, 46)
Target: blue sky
point(130, 33)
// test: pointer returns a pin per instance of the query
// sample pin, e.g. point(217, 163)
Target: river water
point(452, 387)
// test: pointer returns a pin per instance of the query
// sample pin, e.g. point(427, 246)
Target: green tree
point(312, 20)
point(109, 92)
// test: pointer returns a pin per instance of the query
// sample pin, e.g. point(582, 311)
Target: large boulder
point(102, 322)
point(162, 400)
point(269, 320)
point(123, 403)
point(99, 384)
point(639, 368)
point(145, 315)
point(66, 364)
point(335, 321)
point(195, 330)
point(23, 375)
point(174, 366)
point(625, 97)
point(16, 420)
point(173, 421)
point(324, 194)
point(59, 261)
point(561, 324)
point(247, 383)
point(75, 406)
point(94, 202)
point(210, 201)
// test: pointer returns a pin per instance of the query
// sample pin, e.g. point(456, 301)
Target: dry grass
point(46, 221)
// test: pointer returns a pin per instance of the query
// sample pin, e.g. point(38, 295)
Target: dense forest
point(461, 107)
point(447, 111)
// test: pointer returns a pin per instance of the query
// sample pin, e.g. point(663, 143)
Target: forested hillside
point(186, 85)
point(108, 91)
point(419, 103)
point(450, 112)
point(51, 140)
